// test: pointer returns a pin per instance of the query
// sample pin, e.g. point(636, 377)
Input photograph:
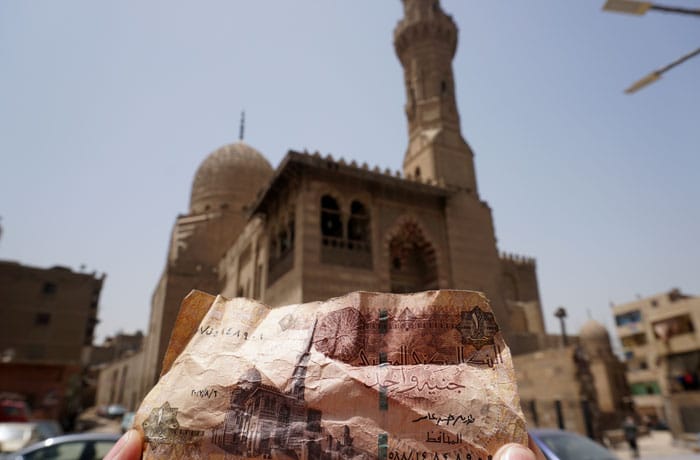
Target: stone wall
point(552, 391)
point(118, 382)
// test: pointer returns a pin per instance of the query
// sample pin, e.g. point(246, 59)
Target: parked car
point(565, 445)
point(13, 410)
point(127, 421)
point(116, 410)
point(112, 411)
point(84, 446)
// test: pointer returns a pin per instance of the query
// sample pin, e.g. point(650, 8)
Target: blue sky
point(107, 108)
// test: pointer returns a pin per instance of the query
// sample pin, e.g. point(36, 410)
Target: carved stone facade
point(318, 227)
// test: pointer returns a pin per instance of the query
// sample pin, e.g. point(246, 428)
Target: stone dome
point(230, 177)
point(594, 331)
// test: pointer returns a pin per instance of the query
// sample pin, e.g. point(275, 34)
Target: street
point(657, 446)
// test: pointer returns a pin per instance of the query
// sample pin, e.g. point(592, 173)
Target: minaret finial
point(240, 132)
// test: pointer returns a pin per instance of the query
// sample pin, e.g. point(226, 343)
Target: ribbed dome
point(229, 177)
point(593, 330)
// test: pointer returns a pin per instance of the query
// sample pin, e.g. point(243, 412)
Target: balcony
point(642, 375)
point(648, 400)
point(628, 329)
point(341, 251)
point(675, 335)
point(679, 344)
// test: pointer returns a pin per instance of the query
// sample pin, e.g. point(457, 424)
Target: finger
point(128, 447)
point(514, 452)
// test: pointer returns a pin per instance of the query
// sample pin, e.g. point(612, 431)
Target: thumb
point(514, 452)
point(128, 447)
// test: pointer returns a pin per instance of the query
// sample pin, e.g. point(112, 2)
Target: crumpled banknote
point(423, 376)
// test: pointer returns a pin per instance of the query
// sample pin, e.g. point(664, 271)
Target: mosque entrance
point(413, 263)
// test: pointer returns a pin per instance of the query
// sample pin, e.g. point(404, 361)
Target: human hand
point(128, 447)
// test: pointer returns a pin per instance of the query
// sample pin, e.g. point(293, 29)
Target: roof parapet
point(518, 259)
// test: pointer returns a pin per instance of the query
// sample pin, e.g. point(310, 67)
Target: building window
point(258, 282)
point(532, 406)
point(291, 228)
point(283, 239)
point(331, 223)
point(677, 325)
point(272, 250)
point(281, 257)
point(350, 248)
point(645, 388)
point(358, 224)
point(559, 409)
point(634, 340)
point(49, 288)
point(628, 318)
point(42, 319)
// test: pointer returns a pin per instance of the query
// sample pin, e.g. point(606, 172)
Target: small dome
point(252, 376)
point(230, 177)
point(593, 330)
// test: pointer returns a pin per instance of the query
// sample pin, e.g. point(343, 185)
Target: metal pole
point(675, 9)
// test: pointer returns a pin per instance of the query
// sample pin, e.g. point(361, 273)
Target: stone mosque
point(315, 227)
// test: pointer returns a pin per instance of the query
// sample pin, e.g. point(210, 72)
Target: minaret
point(425, 41)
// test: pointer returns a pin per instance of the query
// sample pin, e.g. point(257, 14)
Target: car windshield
point(569, 446)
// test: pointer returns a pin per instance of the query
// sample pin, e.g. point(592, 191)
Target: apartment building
point(660, 336)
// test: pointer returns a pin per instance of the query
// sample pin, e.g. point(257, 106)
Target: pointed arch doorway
point(413, 264)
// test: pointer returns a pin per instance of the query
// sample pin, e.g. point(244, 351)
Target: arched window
point(331, 223)
point(417, 172)
point(345, 245)
point(358, 224)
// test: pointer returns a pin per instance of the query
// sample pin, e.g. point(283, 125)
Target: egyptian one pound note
point(422, 376)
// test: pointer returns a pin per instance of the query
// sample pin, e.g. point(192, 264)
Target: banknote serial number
point(211, 331)
point(418, 455)
point(205, 393)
